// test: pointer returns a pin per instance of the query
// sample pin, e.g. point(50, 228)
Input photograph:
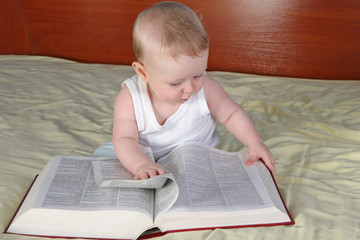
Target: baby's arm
point(235, 119)
point(125, 139)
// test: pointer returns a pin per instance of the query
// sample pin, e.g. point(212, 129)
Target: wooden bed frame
point(310, 39)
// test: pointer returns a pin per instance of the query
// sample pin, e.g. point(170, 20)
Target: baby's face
point(175, 80)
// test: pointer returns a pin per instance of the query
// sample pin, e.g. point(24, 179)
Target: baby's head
point(170, 29)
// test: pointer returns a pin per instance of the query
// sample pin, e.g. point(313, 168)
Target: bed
point(294, 66)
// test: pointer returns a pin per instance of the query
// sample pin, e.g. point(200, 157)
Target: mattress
point(51, 106)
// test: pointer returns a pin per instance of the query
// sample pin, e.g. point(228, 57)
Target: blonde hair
point(170, 28)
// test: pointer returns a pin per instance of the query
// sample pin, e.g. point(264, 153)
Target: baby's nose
point(188, 87)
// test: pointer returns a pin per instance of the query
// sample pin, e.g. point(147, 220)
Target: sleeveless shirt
point(192, 122)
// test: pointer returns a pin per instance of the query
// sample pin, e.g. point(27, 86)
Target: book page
point(209, 178)
point(266, 183)
point(71, 185)
point(111, 173)
point(166, 196)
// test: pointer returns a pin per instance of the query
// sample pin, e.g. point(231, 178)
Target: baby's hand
point(260, 151)
point(148, 170)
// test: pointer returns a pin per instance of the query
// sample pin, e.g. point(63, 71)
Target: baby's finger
point(270, 164)
point(151, 172)
point(251, 160)
point(141, 176)
point(160, 170)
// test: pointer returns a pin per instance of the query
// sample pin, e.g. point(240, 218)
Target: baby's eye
point(175, 84)
point(198, 76)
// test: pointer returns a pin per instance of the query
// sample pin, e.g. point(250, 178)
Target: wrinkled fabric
point(51, 107)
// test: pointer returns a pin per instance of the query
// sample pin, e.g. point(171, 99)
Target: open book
point(204, 188)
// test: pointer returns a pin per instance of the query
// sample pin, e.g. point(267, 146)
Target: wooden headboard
point(297, 38)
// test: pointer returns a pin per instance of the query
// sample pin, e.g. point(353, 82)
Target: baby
point(171, 99)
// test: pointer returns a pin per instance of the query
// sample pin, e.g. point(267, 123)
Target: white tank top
point(192, 122)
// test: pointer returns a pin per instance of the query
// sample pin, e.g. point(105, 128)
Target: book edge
point(158, 234)
point(292, 222)
point(21, 203)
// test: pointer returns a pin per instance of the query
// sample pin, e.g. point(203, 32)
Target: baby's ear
point(140, 70)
